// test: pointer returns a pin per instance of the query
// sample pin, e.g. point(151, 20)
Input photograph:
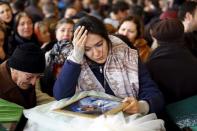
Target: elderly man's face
point(24, 79)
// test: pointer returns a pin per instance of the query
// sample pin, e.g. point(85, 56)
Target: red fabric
point(168, 15)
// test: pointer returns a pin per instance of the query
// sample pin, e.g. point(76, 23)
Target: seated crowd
point(141, 51)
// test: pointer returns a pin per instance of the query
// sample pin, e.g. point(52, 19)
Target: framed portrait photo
point(91, 106)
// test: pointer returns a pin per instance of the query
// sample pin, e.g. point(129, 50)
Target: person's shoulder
point(121, 49)
point(118, 44)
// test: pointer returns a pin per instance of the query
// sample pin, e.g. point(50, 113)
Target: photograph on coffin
point(91, 106)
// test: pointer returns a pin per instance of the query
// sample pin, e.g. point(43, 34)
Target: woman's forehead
point(93, 39)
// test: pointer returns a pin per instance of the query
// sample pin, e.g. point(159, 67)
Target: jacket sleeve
point(66, 82)
point(41, 97)
point(149, 91)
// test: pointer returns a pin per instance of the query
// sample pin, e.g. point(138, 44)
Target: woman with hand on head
point(104, 63)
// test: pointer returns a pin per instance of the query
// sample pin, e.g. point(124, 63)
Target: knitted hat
point(28, 58)
point(168, 30)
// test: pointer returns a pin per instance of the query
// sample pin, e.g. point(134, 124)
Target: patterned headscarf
point(60, 52)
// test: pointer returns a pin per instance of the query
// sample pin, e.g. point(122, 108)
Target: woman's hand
point(79, 40)
point(133, 106)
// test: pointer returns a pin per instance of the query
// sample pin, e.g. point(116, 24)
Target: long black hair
point(94, 26)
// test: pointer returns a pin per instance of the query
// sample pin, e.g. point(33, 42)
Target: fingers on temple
point(84, 37)
point(79, 32)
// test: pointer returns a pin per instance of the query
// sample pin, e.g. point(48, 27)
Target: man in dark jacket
point(18, 76)
point(171, 65)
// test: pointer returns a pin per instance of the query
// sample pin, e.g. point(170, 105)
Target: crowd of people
point(143, 51)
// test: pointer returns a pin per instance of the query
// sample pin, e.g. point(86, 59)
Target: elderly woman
point(106, 64)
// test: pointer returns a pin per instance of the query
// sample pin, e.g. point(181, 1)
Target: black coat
point(191, 42)
point(17, 40)
point(174, 69)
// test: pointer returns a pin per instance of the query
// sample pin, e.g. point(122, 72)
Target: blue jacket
point(66, 82)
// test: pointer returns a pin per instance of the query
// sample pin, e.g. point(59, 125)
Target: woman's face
point(25, 27)
point(96, 48)
point(129, 29)
point(64, 32)
point(44, 35)
point(5, 13)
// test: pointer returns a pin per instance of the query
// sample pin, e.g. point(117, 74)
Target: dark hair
point(134, 1)
point(189, 7)
point(49, 7)
point(64, 21)
point(168, 31)
point(33, 2)
point(155, 3)
point(125, 40)
point(18, 17)
point(120, 6)
point(138, 23)
point(5, 3)
point(148, 28)
point(94, 26)
point(79, 15)
point(137, 10)
point(18, 5)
